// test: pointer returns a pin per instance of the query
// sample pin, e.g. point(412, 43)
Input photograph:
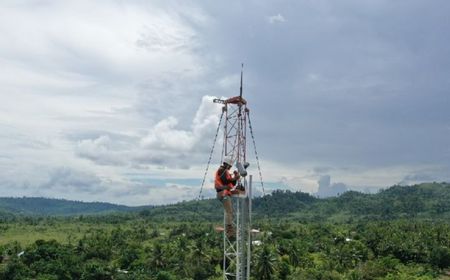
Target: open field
point(63, 232)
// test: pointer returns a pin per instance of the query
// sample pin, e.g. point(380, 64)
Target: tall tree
point(265, 264)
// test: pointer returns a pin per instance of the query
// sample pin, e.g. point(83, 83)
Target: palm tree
point(158, 259)
point(265, 264)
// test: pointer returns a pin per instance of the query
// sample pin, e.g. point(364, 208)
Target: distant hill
point(58, 207)
point(427, 200)
point(424, 201)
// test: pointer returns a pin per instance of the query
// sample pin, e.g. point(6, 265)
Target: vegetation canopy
point(399, 233)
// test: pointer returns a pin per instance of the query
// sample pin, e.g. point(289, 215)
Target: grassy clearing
point(27, 234)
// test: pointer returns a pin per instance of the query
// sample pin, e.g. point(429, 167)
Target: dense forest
point(423, 201)
point(428, 200)
point(399, 233)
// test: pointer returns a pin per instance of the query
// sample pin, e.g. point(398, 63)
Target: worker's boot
point(231, 233)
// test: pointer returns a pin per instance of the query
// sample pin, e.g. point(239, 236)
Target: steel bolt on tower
point(237, 253)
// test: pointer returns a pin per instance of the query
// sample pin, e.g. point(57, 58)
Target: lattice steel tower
point(237, 252)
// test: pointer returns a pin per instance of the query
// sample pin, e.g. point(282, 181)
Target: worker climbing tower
point(237, 249)
point(236, 245)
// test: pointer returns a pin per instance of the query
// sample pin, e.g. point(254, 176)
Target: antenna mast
point(242, 73)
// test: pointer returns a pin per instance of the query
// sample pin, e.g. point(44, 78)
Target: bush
point(164, 275)
point(440, 257)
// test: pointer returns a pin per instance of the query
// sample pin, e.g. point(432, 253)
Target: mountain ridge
point(57, 207)
point(426, 200)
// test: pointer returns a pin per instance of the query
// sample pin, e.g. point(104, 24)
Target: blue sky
point(112, 100)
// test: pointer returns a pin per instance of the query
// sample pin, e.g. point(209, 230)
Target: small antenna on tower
point(242, 73)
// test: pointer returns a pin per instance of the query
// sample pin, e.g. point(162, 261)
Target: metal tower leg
point(237, 253)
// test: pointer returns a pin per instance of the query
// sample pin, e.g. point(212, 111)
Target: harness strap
point(221, 188)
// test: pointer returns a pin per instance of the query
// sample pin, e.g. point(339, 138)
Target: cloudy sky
point(112, 100)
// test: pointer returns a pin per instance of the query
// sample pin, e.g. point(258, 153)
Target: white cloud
point(276, 18)
point(84, 43)
point(424, 174)
point(68, 180)
point(165, 144)
point(100, 150)
point(326, 189)
point(295, 183)
point(166, 136)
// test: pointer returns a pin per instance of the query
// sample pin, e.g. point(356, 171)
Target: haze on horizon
point(112, 101)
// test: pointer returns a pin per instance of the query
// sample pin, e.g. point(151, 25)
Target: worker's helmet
point(228, 160)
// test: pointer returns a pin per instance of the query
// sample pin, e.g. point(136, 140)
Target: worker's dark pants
point(226, 201)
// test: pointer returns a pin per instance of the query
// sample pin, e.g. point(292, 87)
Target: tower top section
point(236, 100)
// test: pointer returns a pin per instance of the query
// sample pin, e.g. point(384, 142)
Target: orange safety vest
point(220, 186)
